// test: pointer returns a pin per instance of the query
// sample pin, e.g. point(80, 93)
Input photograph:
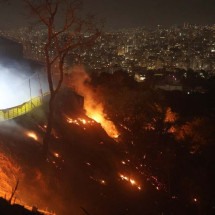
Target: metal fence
point(20, 110)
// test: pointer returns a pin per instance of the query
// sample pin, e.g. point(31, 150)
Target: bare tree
point(66, 30)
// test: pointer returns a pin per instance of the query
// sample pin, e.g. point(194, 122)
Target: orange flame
point(94, 109)
point(96, 113)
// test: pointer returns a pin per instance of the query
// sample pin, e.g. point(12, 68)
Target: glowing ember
point(195, 200)
point(79, 121)
point(32, 135)
point(108, 126)
point(103, 182)
point(56, 155)
point(131, 181)
point(123, 162)
point(100, 181)
point(83, 121)
point(142, 170)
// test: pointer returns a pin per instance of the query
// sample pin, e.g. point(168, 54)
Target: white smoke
point(18, 85)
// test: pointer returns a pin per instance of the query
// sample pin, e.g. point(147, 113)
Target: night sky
point(129, 13)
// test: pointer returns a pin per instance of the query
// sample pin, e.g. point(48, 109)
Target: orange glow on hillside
point(131, 181)
point(9, 174)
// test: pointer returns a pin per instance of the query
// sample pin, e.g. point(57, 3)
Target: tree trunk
point(47, 136)
point(53, 93)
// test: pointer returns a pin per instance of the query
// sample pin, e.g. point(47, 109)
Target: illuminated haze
point(18, 85)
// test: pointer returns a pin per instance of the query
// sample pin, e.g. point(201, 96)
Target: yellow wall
point(17, 111)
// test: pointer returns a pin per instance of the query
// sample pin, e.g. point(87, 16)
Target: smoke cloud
point(18, 83)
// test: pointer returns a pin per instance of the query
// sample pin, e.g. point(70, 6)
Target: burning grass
point(94, 108)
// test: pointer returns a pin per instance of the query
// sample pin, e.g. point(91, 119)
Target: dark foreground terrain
point(7, 209)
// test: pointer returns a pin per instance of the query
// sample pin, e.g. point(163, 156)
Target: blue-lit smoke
point(18, 85)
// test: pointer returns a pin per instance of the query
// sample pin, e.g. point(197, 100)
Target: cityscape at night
point(107, 107)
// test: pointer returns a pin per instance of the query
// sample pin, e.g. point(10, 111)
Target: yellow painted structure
point(20, 110)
